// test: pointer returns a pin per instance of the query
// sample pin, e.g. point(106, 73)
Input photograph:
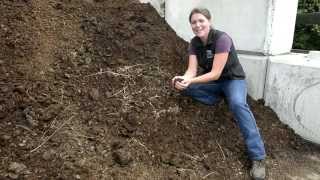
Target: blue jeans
point(235, 92)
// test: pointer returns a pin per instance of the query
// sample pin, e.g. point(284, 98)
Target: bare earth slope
point(85, 94)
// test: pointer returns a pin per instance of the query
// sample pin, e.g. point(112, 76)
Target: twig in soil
point(154, 97)
point(139, 92)
point(224, 157)
point(62, 96)
point(183, 170)
point(204, 177)
point(77, 134)
point(129, 67)
point(152, 106)
point(49, 137)
point(26, 128)
point(109, 72)
point(32, 99)
point(138, 142)
point(54, 120)
point(192, 157)
point(115, 94)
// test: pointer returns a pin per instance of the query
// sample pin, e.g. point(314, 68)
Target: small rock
point(68, 76)
point(77, 176)
point(1, 61)
point(58, 6)
point(29, 114)
point(23, 143)
point(13, 176)
point(48, 155)
point(108, 94)
point(81, 163)
point(20, 89)
point(51, 70)
point(5, 137)
point(73, 54)
point(94, 94)
point(87, 60)
point(5, 89)
point(17, 168)
point(121, 61)
point(17, 132)
point(122, 157)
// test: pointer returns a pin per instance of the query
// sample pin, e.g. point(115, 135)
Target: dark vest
point(205, 56)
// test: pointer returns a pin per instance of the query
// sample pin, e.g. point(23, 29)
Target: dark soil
point(85, 94)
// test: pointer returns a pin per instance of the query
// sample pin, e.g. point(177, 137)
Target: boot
point(258, 170)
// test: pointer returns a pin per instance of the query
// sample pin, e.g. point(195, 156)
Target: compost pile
point(85, 94)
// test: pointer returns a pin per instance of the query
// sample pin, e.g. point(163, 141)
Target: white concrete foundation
point(293, 92)
point(255, 68)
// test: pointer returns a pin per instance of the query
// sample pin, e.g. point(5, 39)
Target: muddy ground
point(85, 94)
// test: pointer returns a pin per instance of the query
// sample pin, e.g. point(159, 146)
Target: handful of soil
point(177, 80)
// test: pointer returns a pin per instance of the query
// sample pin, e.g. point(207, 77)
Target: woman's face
point(200, 25)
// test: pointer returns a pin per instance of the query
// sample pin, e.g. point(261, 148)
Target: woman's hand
point(175, 79)
point(180, 82)
point(185, 83)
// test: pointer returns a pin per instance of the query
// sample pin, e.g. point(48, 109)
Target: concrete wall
point(293, 92)
point(228, 15)
point(280, 28)
point(255, 68)
point(265, 26)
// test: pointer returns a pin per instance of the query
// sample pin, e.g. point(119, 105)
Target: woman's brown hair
point(205, 12)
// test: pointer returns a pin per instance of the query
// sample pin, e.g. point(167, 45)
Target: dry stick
point(129, 67)
point(62, 93)
point(224, 157)
point(110, 72)
point(26, 128)
point(55, 118)
point(115, 94)
point(183, 170)
point(137, 141)
point(123, 89)
point(49, 137)
point(191, 157)
point(77, 134)
point(139, 92)
point(204, 177)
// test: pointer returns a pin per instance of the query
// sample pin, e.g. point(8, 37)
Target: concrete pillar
point(280, 26)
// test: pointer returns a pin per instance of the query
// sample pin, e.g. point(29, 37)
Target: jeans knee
point(237, 105)
point(190, 90)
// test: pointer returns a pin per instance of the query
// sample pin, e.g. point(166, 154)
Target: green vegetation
point(307, 36)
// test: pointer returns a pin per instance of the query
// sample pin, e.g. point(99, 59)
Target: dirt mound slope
point(85, 94)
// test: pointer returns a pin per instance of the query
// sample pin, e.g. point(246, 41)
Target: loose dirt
point(85, 94)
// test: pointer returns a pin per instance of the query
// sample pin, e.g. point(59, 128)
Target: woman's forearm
point(210, 76)
point(189, 74)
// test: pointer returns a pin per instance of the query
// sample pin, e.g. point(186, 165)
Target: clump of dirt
point(85, 94)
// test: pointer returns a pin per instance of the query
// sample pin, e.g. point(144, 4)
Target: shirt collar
point(211, 34)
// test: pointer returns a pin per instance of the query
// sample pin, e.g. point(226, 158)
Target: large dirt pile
point(85, 94)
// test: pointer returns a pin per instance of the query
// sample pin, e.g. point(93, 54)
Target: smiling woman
point(200, 23)
point(213, 51)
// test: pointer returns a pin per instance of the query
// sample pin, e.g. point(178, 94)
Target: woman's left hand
point(183, 84)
